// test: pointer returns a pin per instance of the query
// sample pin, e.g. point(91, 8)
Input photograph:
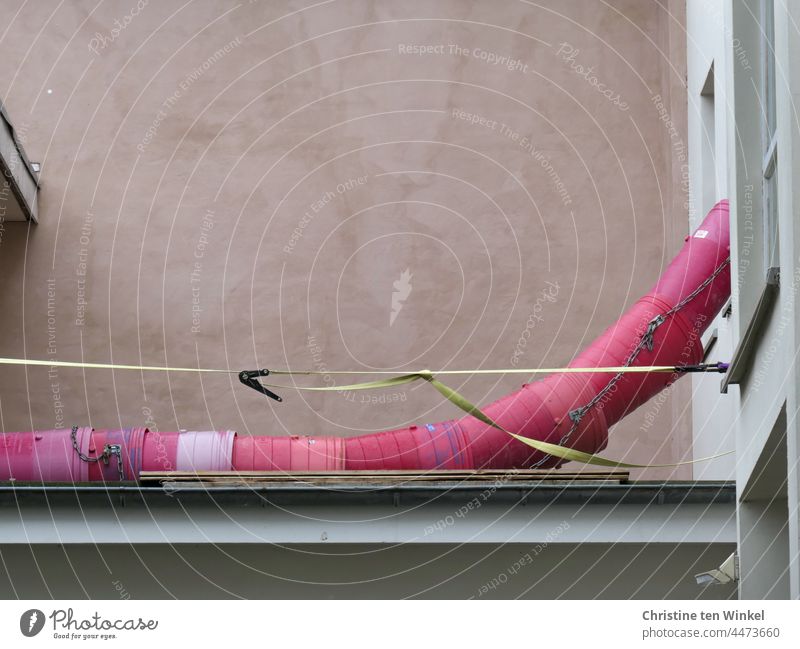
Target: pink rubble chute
point(573, 410)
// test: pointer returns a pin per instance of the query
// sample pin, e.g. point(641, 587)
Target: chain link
point(108, 451)
point(645, 342)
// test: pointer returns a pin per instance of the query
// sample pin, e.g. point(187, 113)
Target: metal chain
point(646, 341)
point(108, 451)
point(700, 288)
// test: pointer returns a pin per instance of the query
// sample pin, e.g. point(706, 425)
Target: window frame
point(769, 138)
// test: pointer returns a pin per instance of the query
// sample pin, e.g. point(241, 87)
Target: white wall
point(712, 413)
point(788, 54)
point(198, 571)
point(761, 412)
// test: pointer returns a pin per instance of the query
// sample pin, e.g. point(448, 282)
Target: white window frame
point(769, 138)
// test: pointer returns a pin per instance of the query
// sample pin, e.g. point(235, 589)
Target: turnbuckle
point(704, 367)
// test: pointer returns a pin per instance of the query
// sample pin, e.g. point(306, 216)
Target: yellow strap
point(107, 366)
point(366, 385)
point(515, 370)
point(450, 394)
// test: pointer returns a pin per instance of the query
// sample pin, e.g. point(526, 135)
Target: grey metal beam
point(19, 184)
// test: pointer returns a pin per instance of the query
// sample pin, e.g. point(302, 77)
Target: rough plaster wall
point(174, 177)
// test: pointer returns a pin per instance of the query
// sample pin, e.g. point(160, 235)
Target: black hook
point(250, 379)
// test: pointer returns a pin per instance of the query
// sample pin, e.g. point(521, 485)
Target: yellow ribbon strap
point(418, 375)
point(366, 385)
point(515, 370)
point(108, 366)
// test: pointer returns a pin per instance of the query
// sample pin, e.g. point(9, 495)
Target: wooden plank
point(445, 473)
point(419, 476)
point(380, 479)
point(256, 484)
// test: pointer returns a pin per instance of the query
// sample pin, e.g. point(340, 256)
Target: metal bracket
point(250, 379)
point(774, 276)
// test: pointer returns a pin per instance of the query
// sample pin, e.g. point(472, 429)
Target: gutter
point(293, 492)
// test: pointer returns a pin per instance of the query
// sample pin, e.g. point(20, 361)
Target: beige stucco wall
point(180, 153)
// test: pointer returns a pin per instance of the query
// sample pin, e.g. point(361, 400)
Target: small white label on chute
point(701, 234)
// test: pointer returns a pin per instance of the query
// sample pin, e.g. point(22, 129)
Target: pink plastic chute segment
point(44, 456)
point(208, 450)
point(263, 453)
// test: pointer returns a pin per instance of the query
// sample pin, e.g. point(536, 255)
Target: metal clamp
point(109, 450)
point(250, 379)
point(577, 414)
point(647, 338)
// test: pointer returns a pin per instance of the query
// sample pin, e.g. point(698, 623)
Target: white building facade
point(743, 132)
